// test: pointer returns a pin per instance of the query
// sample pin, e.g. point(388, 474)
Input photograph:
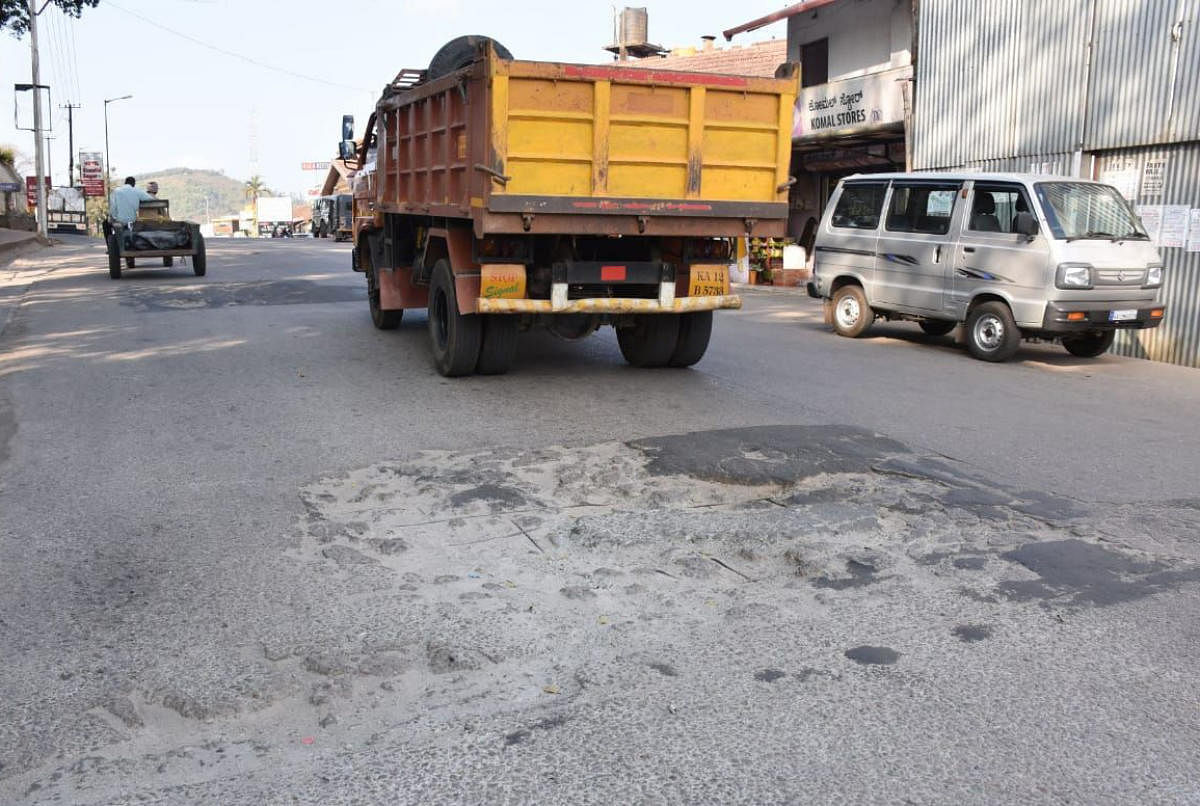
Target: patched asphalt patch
point(201, 294)
point(497, 495)
point(769, 454)
point(769, 675)
point(970, 633)
point(1088, 574)
point(860, 575)
point(873, 655)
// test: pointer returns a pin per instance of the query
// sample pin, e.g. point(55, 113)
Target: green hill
point(187, 189)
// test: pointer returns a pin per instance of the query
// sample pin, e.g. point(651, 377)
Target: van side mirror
point(346, 149)
point(1026, 225)
point(347, 127)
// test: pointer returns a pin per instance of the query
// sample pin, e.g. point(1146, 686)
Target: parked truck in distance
point(502, 195)
point(65, 209)
point(333, 216)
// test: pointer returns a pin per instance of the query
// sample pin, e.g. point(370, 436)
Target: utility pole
point(70, 107)
point(37, 120)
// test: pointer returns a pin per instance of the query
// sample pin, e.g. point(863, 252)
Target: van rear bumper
point(1099, 316)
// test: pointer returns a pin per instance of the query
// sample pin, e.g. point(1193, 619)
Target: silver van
point(1010, 255)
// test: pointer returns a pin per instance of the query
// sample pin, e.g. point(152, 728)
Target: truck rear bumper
point(608, 305)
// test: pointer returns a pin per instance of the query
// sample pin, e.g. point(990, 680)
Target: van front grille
point(1120, 276)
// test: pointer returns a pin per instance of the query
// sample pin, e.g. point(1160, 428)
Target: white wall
point(865, 36)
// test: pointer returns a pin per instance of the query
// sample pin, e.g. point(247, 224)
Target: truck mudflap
point(608, 305)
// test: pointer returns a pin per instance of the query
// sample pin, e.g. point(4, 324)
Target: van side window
point(859, 205)
point(922, 207)
point(994, 208)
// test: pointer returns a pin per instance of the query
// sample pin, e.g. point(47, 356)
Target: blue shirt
point(123, 206)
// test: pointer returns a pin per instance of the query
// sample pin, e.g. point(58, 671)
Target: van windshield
point(1079, 210)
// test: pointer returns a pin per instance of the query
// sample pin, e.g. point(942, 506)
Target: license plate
point(1122, 316)
point(708, 281)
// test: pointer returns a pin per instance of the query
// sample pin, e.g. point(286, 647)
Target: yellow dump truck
point(502, 195)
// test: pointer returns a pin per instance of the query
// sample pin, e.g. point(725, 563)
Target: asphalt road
point(254, 551)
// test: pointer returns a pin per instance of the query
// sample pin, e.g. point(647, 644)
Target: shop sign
point(851, 105)
point(31, 190)
point(91, 172)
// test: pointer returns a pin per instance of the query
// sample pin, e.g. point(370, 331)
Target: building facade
point(1099, 89)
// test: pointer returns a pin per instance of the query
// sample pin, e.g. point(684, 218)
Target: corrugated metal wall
point(1146, 73)
point(1177, 339)
point(997, 80)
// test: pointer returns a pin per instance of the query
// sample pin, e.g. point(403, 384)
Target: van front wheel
point(851, 313)
point(1089, 345)
point(992, 333)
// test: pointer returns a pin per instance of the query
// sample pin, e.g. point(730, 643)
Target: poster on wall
point(1151, 215)
point(1193, 243)
point(1173, 231)
point(1152, 177)
point(1124, 179)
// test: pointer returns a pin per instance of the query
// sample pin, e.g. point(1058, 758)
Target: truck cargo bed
point(521, 146)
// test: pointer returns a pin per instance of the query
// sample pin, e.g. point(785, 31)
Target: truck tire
point(992, 333)
point(695, 329)
point(200, 259)
point(454, 337)
point(114, 258)
point(937, 327)
point(129, 264)
point(851, 313)
point(499, 344)
point(1089, 345)
point(459, 53)
point(650, 339)
point(383, 320)
point(168, 261)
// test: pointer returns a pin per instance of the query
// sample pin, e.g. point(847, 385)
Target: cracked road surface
point(242, 563)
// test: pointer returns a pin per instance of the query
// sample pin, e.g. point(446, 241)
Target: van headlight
point(1154, 275)
point(1074, 275)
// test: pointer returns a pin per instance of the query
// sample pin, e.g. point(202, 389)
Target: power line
point(244, 58)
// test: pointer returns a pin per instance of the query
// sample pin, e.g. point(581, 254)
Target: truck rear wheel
point(168, 261)
point(695, 329)
point(650, 339)
point(114, 258)
point(129, 263)
point(455, 338)
point(499, 344)
point(1089, 345)
point(200, 259)
point(384, 320)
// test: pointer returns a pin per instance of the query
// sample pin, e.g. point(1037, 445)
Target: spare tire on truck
point(459, 53)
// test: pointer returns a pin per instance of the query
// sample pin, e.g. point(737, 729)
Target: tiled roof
point(757, 59)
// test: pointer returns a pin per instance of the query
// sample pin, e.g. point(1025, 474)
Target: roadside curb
point(14, 281)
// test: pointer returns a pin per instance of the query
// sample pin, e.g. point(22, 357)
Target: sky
point(253, 87)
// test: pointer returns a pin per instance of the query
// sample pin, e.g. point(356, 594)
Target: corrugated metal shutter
point(998, 80)
point(1141, 77)
point(1177, 339)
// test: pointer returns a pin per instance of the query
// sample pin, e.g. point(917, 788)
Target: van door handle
point(937, 254)
point(968, 249)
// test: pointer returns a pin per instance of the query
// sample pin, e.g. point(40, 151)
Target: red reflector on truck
point(612, 274)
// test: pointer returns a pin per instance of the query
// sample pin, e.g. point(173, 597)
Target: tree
point(14, 14)
point(256, 187)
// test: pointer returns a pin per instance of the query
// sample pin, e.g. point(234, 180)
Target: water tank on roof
point(634, 27)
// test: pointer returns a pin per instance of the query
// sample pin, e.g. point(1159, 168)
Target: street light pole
point(37, 121)
point(107, 163)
